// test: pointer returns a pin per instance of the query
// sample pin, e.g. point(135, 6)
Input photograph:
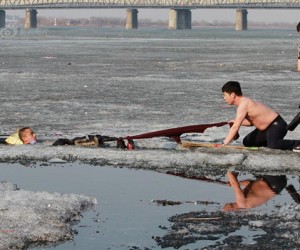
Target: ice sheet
point(161, 157)
point(32, 218)
point(114, 82)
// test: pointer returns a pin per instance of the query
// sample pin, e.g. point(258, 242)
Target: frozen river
point(77, 81)
point(116, 82)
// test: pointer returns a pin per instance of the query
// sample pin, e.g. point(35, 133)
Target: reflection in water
point(293, 192)
point(249, 193)
point(127, 218)
point(274, 223)
point(253, 193)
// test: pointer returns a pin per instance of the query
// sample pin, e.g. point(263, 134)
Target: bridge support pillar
point(132, 19)
point(2, 18)
point(241, 19)
point(30, 18)
point(180, 19)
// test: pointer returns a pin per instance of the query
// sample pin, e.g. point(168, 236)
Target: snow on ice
point(157, 158)
point(33, 218)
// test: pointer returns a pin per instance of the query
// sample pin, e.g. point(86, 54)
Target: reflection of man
point(255, 192)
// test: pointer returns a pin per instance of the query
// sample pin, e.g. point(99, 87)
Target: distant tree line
point(92, 22)
point(120, 22)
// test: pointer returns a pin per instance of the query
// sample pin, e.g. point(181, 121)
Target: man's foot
point(297, 148)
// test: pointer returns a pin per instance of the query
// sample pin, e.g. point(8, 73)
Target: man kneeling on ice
point(22, 136)
point(271, 128)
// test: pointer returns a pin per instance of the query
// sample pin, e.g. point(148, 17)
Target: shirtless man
point(270, 126)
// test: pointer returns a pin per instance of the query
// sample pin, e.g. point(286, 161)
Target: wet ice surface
point(74, 82)
point(159, 155)
point(128, 215)
point(116, 82)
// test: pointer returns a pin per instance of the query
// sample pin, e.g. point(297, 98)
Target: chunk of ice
point(31, 218)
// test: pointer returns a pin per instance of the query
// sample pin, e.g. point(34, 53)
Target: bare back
point(258, 194)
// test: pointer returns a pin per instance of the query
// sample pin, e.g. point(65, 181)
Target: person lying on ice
point(270, 129)
point(22, 136)
point(27, 136)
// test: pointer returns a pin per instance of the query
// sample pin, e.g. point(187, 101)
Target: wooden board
point(187, 144)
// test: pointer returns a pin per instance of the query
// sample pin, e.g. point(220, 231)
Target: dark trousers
point(271, 137)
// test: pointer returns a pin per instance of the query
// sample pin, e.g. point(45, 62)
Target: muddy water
point(135, 206)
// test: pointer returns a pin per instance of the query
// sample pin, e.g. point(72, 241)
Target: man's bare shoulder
point(245, 103)
point(249, 102)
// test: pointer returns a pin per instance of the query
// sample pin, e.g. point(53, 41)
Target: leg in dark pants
point(255, 139)
point(272, 137)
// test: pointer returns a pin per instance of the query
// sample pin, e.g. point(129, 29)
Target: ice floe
point(157, 158)
point(33, 218)
point(259, 229)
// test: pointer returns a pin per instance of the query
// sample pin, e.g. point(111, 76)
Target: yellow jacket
point(14, 139)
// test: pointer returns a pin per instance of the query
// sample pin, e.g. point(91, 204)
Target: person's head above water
point(27, 136)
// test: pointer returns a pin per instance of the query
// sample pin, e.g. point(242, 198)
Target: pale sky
point(255, 15)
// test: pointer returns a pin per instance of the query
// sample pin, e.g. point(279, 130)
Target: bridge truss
point(180, 4)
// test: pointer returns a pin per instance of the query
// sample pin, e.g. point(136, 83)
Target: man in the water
point(27, 136)
point(23, 136)
point(271, 128)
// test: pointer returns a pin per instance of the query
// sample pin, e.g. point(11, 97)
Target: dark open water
point(126, 215)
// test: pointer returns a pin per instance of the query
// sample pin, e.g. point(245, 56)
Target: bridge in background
point(171, 4)
point(180, 16)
